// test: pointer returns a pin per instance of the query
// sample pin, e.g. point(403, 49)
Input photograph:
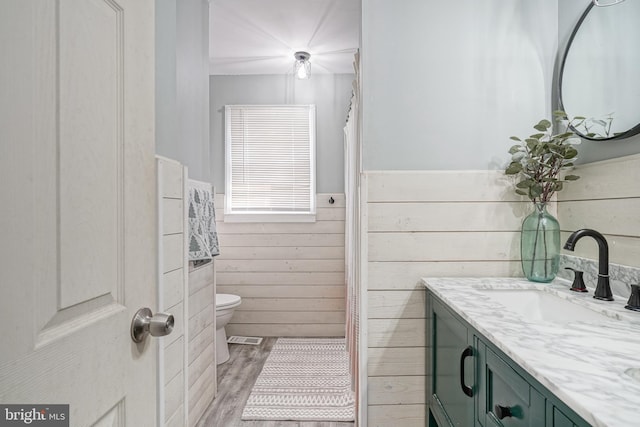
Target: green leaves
point(526, 183)
point(514, 149)
point(535, 190)
point(532, 143)
point(513, 168)
point(565, 135)
point(539, 159)
point(543, 125)
point(570, 153)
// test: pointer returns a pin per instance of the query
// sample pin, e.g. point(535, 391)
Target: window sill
point(269, 217)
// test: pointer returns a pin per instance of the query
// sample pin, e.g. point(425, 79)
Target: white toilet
point(225, 306)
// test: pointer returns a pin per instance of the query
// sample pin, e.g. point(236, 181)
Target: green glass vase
point(540, 245)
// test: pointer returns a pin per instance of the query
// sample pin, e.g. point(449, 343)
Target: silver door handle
point(145, 322)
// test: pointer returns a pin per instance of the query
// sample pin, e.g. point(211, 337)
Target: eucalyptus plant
point(539, 160)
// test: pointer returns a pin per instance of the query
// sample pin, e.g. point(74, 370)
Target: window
point(270, 163)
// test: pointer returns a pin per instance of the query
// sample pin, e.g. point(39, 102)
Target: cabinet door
point(560, 420)
point(505, 399)
point(564, 417)
point(452, 369)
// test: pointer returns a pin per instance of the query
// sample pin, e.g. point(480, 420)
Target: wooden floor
point(235, 381)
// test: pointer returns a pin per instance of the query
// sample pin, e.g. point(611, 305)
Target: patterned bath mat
point(303, 380)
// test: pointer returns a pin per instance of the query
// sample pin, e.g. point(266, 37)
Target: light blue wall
point(569, 11)
point(330, 93)
point(445, 83)
point(182, 84)
point(166, 107)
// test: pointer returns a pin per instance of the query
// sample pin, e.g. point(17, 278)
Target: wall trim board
point(401, 361)
point(394, 333)
point(397, 390)
point(444, 246)
point(397, 415)
point(291, 291)
point(605, 179)
point(390, 275)
point(305, 278)
point(287, 329)
point(614, 216)
point(443, 216)
point(440, 186)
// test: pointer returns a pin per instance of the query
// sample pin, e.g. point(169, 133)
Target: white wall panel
point(606, 198)
point(397, 390)
point(290, 275)
point(397, 415)
point(426, 223)
point(201, 346)
point(172, 262)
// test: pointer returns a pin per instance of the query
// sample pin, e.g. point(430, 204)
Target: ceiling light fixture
point(302, 66)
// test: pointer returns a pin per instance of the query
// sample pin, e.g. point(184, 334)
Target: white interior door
point(77, 207)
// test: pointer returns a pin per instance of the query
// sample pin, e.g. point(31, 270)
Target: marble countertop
point(592, 366)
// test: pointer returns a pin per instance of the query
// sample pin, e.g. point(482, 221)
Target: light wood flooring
point(235, 381)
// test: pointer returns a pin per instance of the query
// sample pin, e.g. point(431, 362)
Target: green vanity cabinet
point(452, 369)
point(558, 415)
point(473, 384)
point(504, 397)
point(557, 419)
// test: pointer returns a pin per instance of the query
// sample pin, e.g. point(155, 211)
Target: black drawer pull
point(502, 411)
point(465, 388)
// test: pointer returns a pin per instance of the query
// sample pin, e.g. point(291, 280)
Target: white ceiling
point(261, 36)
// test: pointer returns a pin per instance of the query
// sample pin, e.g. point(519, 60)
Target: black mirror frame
point(622, 135)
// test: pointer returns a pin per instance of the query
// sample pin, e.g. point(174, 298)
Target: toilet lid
point(224, 300)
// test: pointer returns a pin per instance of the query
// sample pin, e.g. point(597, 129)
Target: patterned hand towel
point(203, 238)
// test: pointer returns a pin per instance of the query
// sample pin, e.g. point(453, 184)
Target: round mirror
point(600, 72)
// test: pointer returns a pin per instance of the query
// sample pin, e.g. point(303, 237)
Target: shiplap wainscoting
point(290, 275)
point(426, 223)
point(606, 198)
point(201, 358)
point(187, 355)
point(171, 287)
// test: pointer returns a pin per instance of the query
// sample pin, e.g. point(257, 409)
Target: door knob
point(145, 322)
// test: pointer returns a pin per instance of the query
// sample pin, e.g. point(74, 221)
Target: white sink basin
point(536, 305)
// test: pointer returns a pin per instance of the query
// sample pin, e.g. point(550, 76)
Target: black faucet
point(603, 288)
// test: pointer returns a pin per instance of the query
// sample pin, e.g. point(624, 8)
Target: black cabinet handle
point(502, 411)
point(465, 388)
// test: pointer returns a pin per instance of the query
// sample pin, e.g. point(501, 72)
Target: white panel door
point(77, 207)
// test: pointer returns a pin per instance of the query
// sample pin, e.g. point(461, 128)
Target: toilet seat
point(227, 301)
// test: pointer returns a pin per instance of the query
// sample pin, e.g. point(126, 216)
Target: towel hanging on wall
point(203, 238)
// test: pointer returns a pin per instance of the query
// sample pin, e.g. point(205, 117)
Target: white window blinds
point(270, 162)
